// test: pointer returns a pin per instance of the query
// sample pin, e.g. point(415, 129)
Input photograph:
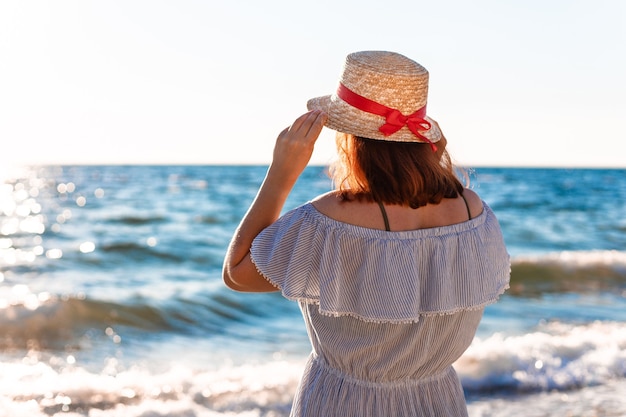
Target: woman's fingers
point(301, 135)
point(294, 146)
point(308, 126)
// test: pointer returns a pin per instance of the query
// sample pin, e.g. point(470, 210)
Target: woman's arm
point(292, 152)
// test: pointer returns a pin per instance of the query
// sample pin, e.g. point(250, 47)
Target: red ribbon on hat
point(395, 120)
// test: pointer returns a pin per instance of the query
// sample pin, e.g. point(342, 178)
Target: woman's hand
point(294, 145)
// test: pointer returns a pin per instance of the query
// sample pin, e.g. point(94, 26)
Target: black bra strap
point(469, 213)
point(384, 212)
point(386, 219)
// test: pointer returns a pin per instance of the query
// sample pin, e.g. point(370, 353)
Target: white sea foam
point(556, 356)
point(580, 259)
point(33, 387)
point(578, 368)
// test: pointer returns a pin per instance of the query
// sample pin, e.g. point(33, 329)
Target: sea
point(112, 302)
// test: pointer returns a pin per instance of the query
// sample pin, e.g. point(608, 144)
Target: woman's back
point(376, 351)
point(382, 353)
point(401, 218)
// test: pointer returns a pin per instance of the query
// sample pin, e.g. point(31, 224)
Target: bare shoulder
point(355, 212)
point(328, 203)
point(474, 202)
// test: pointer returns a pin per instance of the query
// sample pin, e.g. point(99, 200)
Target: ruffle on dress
point(381, 276)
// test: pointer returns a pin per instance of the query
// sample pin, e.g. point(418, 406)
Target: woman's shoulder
point(328, 202)
point(354, 212)
point(474, 202)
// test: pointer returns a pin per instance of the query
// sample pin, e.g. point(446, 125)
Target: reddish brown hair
point(404, 173)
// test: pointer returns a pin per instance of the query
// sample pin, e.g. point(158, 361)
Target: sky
point(512, 83)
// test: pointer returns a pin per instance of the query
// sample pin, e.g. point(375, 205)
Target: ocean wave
point(569, 271)
point(556, 356)
point(138, 220)
point(139, 251)
point(47, 322)
point(607, 400)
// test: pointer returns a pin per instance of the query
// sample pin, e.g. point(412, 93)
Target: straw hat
point(380, 86)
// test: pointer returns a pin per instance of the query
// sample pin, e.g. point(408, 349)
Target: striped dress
point(387, 313)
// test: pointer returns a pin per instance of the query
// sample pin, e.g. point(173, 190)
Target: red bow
point(395, 120)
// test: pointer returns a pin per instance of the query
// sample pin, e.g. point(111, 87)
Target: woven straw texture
point(387, 78)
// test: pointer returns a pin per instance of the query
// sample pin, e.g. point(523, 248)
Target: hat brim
point(344, 118)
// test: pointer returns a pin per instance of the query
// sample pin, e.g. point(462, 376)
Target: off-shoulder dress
point(387, 313)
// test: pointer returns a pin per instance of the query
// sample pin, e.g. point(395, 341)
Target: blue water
point(111, 300)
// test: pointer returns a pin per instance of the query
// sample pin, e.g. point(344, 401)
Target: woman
point(392, 270)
